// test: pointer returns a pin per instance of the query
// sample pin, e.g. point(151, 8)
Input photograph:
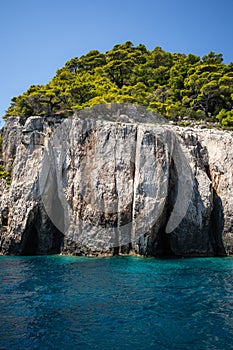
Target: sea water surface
point(55, 302)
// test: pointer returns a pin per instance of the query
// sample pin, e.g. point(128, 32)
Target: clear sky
point(38, 37)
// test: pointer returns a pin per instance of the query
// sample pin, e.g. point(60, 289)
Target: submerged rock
point(89, 186)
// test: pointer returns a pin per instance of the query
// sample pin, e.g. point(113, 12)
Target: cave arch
point(40, 236)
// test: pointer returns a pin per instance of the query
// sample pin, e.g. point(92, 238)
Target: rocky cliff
point(94, 185)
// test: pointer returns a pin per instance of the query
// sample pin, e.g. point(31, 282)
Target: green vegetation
point(3, 173)
point(178, 86)
point(1, 141)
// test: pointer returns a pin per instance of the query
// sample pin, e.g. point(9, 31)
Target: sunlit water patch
point(54, 302)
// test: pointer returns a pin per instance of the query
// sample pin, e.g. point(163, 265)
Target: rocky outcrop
point(104, 185)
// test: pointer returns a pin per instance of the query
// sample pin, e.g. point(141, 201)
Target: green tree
point(213, 58)
point(121, 60)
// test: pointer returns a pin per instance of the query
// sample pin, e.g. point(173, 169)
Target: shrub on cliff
point(1, 140)
point(5, 174)
point(226, 118)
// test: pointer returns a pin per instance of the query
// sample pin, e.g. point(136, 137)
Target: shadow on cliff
point(217, 225)
point(200, 231)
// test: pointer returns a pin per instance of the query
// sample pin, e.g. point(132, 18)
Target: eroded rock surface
point(93, 187)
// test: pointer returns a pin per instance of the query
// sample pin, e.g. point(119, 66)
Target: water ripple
point(119, 303)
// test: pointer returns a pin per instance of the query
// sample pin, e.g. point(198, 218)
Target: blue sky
point(38, 37)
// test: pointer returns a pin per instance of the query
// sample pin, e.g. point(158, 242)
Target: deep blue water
point(54, 302)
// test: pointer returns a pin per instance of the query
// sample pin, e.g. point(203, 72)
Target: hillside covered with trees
point(175, 85)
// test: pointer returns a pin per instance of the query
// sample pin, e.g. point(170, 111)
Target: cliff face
point(93, 187)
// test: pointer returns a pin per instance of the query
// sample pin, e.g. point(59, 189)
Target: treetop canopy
point(174, 85)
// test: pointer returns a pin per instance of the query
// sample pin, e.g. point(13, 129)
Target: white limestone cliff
point(89, 186)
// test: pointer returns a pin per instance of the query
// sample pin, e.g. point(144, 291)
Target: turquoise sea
point(55, 302)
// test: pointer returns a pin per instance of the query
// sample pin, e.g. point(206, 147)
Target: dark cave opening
point(217, 225)
point(162, 248)
point(31, 243)
point(41, 236)
point(5, 217)
point(4, 221)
